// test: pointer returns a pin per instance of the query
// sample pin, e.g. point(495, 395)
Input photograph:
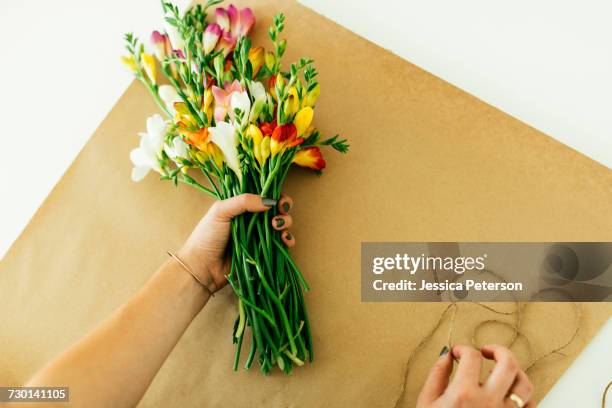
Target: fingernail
point(280, 222)
point(286, 206)
point(444, 351)
point(288, 236)
point(268, 202)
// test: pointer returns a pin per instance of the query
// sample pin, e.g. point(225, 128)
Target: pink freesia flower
point(227, 42)
point(179, 53)
point(241, 21)
point(234, 23)
point(211, 36)
point(158, 43)
point(222, 18)
point(223, 97)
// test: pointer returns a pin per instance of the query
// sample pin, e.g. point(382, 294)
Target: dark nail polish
point(445, 350)
point(288, 236)
point(268, 202)
point(286, 207)
point(280, 222)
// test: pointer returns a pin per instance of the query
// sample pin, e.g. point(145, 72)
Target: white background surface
point(583, 384)
point(549, 63)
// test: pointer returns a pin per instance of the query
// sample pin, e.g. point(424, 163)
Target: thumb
point(231, 207)
point(437, 380)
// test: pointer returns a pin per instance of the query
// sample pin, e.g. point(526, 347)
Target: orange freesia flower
point(197, 138)
point(200, 139)
point(310, 157)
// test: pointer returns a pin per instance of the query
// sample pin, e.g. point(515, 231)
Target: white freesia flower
point(169, 95)
point(178, 149)
point(242, 102)
point(176, 40)
point(224, 136)
point(146, 156)
point(260, 98)
point(258, 91)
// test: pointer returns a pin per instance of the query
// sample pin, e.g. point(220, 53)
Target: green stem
point(270, 179)
point(238, 348)
point(293, 266)
point(281, 309)
point(212, 183)
point(197, 185)
point(154, 89)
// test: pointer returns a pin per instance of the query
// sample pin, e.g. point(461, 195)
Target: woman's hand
point(206, 250)
point(507, 386)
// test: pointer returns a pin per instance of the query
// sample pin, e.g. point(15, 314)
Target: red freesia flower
point(284, 137)
point(285, 132)
point(268, 127)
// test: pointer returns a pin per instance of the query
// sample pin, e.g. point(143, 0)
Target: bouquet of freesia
point(227, 134)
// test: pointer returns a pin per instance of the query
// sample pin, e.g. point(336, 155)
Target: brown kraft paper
point(428, 163)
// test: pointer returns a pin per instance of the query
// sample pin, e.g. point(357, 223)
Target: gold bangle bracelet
point(185, 267)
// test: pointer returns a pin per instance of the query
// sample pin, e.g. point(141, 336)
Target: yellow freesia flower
point(303, 119)
point(130, 62)
point(183, 116)
point(256, 136)
point(256, 58)
point(148, 62)
point(312, 96)
point(208, 104)
point(210, 153)
point(309, 131)
point(215, 154)
point(292, 104)
point(270, 60)
point(264, 148)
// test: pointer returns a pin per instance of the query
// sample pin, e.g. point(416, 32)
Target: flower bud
point(264, 149)
point(130, 63)
point(148, 62)
point(312, 96)
point(256, 58)
point(254, 133)
point(158, 43)
point(208, 103)
point(292, 103)
point(280, 81)
point(222, 18)
point(270, 60)
point(281, 47)
point(211, 37)
point(303, 119)
point(272, 87)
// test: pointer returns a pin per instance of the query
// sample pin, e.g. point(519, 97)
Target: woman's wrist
point(196, 266)
point(183, 283)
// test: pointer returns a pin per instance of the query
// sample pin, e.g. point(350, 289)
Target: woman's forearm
point(130, 346)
